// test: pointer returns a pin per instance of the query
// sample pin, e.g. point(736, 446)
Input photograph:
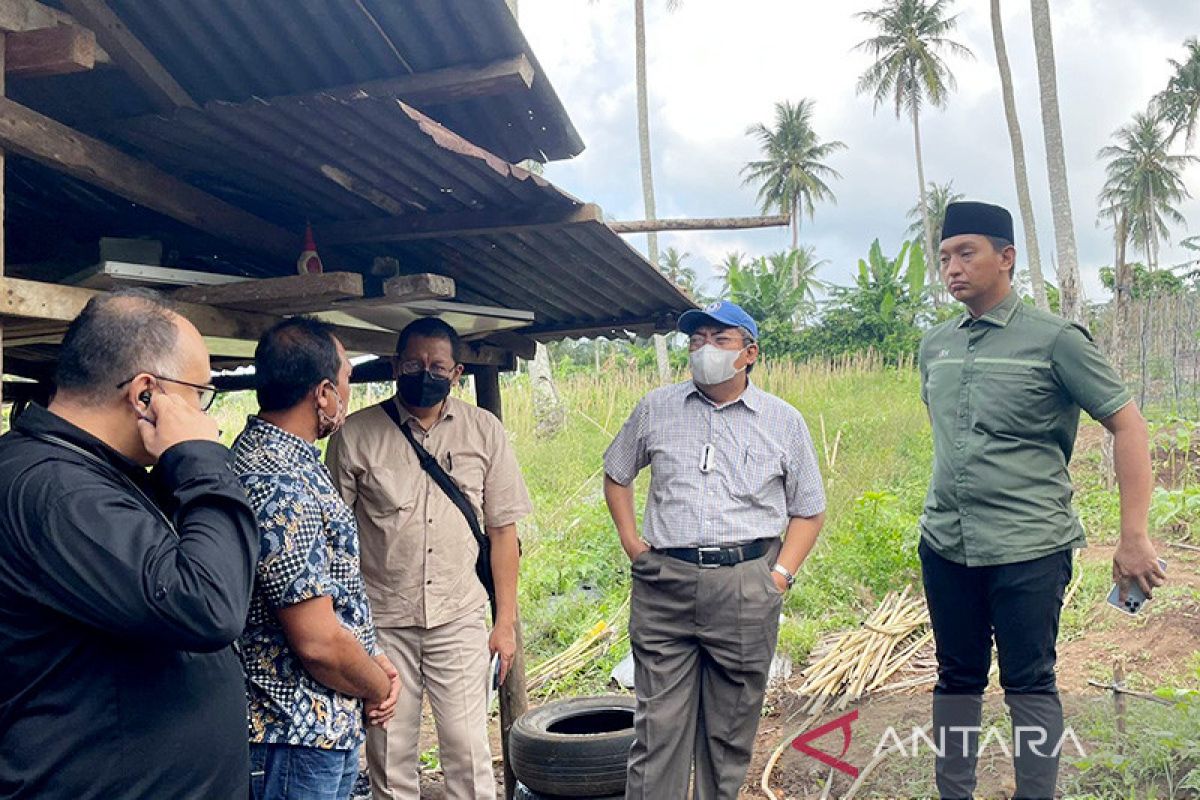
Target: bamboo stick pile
point(598, 640)
point(850, 665)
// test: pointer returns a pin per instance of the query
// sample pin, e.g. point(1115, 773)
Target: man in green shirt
point(1004, 384)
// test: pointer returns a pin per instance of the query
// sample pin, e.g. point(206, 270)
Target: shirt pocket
point(755, 475)
point(1014, 398)
point(386, 493)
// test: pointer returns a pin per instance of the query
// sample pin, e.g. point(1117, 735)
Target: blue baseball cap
point(722, 314)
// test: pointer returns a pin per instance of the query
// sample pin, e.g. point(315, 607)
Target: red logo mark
point(843, 722)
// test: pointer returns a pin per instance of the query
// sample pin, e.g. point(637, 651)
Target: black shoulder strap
point(483, 566)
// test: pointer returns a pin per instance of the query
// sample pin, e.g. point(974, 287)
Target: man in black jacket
point(121, 589)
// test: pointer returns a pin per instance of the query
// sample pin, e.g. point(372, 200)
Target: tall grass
point(874, 446)
point(873, 443)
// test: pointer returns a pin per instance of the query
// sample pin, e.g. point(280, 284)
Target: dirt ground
point(1156, 646)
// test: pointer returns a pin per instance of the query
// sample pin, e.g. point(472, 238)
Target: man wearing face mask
point(419, 559)
point(315, 675)
point(731, 467)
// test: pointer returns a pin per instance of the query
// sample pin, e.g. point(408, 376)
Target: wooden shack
point(187, 144)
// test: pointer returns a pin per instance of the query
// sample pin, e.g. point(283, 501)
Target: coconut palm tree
point(1016, 141)
point(937, 198)
point(643, 118)
point(1144, 182)
point(909, 72)
point(1179, 103)
point(643, 123)
point(792, 172)
point(1070, 298)
point(670, 263)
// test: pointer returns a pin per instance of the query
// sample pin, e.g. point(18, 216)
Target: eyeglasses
point(416, 367)
point(205, 391)
point(724, 340)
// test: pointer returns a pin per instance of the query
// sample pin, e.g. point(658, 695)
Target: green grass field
point(874, 445)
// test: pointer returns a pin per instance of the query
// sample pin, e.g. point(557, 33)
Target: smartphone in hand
point(1135, 598)
point(493, 685)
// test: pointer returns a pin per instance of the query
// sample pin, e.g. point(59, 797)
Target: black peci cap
point(983, 219)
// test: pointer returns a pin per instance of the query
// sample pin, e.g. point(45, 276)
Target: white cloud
point(717, 67)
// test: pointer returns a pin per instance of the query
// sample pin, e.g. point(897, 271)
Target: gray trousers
point(702, 642)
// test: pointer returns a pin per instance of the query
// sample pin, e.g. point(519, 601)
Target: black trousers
point(1019, 605)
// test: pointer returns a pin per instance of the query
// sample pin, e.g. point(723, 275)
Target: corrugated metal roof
point(307, 155)
point(232, 50)
point(328, 160)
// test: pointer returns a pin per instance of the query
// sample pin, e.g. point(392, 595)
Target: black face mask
point(423, 390)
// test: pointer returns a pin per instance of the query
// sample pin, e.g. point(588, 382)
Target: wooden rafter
point(36, 136)
point(290, 294)
point(453, 224)
point(130, 54)
point(41, 52)
point(439, 86)
point(36, 300)
point(699, 224)
point(28, 15)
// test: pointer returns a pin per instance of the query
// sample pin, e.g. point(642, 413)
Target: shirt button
point(160, 593)
point(428, 583)
point(971, 348)
point(430, 550)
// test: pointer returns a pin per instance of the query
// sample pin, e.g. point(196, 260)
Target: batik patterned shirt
point(309, 549)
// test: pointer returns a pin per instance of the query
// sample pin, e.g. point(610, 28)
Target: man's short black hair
point(429, 328)
point(292, 358)
point(114, 338)
point(999, 243)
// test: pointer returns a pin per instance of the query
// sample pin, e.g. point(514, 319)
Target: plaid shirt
point(309, 549)
point(764, 468)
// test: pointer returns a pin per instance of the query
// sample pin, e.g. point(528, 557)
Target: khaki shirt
point(418, 553)
point(1004, 393)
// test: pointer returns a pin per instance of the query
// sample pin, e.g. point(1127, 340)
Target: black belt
point(718, 556)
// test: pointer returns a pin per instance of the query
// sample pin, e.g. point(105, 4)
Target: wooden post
point(514, 696)
point(1119, 699)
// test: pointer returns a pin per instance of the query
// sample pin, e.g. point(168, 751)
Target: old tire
point(577, 747)
point(523, 792)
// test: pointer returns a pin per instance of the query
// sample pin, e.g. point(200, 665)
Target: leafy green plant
point(1175, 510)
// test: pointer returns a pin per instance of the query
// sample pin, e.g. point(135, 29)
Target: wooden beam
point(46, 141)
point(514, 692)
point(439, 86)
point(130, 54)
point(612, 329)
point(28, 15)
point(454, 224)
point(404, 289)
point(421, 286)
point(521, 345)
point(292, 294)
point(60, 50)
point(699, 224)
point(24, 299)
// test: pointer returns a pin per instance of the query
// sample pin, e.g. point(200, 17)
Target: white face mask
point(712, 365)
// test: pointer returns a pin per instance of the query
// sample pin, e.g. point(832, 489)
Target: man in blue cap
point(731, 467)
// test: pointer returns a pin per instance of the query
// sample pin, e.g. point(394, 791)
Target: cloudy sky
point(716, 67)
